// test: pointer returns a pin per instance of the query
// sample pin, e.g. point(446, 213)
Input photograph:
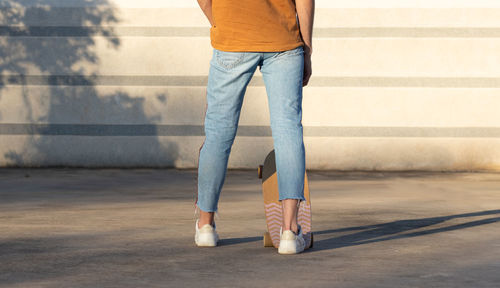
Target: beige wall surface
point(397, 85)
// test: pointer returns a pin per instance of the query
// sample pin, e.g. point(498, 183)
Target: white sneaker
point(291, 243)
point(206, 236)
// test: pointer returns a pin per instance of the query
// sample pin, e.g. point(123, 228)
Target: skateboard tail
point(274, 218)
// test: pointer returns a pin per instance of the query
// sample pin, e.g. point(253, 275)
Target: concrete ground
point(135, 228)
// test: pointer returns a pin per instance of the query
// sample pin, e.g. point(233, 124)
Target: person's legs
point(283, 74)
point(290, 210)
point(229, 75)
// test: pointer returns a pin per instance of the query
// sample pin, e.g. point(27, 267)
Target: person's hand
point(307, 69)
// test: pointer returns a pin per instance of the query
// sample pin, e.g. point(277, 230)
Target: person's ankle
point(294, 229)
point(206, 218)
point(203, 223)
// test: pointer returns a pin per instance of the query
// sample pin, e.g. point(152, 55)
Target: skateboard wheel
point(268, 242)
point(259, 171)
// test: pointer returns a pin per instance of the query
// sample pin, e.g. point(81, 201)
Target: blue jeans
point(229, 75)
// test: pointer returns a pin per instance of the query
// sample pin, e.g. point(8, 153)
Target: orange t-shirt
point(255, 25)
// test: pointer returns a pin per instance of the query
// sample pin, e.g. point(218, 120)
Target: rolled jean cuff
point(301, 198)
point(205, 209)
point(197, 210)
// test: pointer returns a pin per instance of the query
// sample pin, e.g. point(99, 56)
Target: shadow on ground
point(384, 231)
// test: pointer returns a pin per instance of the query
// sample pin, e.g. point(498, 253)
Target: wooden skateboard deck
point(273, 208)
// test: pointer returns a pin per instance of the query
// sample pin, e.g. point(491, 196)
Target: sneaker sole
point(206, 242)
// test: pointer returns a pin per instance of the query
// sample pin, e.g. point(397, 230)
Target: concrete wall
point(397, 85)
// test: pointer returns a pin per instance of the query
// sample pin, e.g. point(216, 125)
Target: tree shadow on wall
point(49, 70)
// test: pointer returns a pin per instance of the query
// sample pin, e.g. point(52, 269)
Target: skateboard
point(273, 208)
